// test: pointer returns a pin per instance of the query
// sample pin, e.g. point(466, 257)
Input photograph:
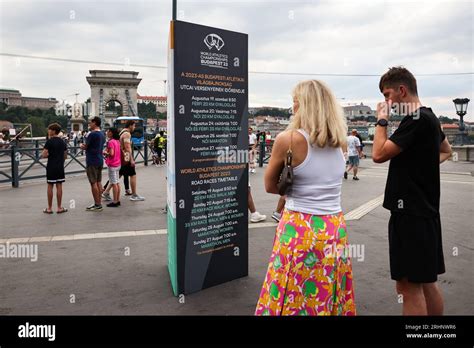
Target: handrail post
point(15, 178)
point(262, 154)
point(145, 156)
point(37, 149)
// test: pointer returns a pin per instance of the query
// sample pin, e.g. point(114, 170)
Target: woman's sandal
point(63, 210)
point(45, 210)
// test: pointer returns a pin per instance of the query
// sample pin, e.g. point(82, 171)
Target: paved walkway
point(114, 262)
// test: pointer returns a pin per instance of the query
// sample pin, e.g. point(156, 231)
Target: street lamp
point(68, 115)
point(461, 109)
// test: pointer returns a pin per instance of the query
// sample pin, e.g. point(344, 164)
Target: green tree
point(38, 125)
point(147, 110)
point(446, 120)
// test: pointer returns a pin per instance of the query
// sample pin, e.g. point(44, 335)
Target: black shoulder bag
point(286, 175)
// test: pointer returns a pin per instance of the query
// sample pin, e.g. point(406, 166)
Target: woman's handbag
point(286, 175)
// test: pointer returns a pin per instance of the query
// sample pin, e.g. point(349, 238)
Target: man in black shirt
point(55, 150)
point(412, 192)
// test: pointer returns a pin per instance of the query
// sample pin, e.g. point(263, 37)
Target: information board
point(207, 156)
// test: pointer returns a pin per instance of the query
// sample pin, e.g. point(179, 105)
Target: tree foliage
point(38, 118)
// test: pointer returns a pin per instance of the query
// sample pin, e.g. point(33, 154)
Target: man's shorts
point(127, 170)
point(94, 174)
point(415, 247)
point(354, 161)
point(114, 174)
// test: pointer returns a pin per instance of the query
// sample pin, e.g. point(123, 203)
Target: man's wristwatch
point(382, 122)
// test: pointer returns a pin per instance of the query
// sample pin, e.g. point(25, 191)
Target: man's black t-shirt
point(56, 148)
point(413, 182)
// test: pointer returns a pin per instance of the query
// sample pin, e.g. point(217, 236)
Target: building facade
point(161, 103)
point(13, 97)
point(361, 110)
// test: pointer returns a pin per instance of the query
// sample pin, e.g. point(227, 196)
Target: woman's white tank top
point(317, 181)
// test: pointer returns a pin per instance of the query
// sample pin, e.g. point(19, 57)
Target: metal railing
point(22, 161)
point(264, 152)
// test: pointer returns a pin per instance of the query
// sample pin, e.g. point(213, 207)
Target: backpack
point(124, 157)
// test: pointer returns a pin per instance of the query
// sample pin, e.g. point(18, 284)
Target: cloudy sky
point(304, 37)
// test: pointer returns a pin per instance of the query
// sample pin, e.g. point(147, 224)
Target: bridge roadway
point(85, 254)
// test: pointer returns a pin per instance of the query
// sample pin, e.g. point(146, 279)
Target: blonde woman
point(310, 272)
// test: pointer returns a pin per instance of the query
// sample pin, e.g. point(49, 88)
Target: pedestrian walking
point(354, 153)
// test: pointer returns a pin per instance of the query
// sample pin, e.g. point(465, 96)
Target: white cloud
point(353, 37)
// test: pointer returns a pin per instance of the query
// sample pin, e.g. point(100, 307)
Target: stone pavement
point(126, 273)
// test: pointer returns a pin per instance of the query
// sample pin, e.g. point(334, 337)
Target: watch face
point(382, 122)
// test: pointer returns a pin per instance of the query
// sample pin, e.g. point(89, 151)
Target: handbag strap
point(289, 153)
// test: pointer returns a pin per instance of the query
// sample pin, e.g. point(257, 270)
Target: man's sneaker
point(276, 216)
point(355, 178)
point(114, 204)
point(254, 170)
point(128, 193)
point(94, 207)
point(137, 198)
point(257, 217)
point(106, 196)
point(345, 175)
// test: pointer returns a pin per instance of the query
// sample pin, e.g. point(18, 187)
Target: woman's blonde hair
point(319, 114)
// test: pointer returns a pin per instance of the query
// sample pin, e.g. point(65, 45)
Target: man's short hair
point(97, 121)
point(129, 123)
point(397, 76)
point(56, 128)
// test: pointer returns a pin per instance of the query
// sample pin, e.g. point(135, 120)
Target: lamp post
point(68, 115)
point(461, 109)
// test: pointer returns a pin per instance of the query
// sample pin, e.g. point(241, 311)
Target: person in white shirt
point(354, 153)
point(252, 147)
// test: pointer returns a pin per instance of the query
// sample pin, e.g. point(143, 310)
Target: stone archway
point(113, 85)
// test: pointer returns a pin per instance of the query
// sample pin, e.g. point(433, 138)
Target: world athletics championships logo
point(214, 40)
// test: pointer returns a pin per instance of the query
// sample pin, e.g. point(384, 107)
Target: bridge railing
point(19, 163)
point(264, 151)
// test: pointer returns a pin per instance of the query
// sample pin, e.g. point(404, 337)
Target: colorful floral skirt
point(310, 271)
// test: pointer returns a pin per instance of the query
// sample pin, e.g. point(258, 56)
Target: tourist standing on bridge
point(128, 162)
point(310, 271)
point(159, 145)
point(361, 141)
point(94, 146)
point(252, 147)
point(55, 150)
point(3, 143)
point(113, 162)
point(354, 153)
point(412, 192)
